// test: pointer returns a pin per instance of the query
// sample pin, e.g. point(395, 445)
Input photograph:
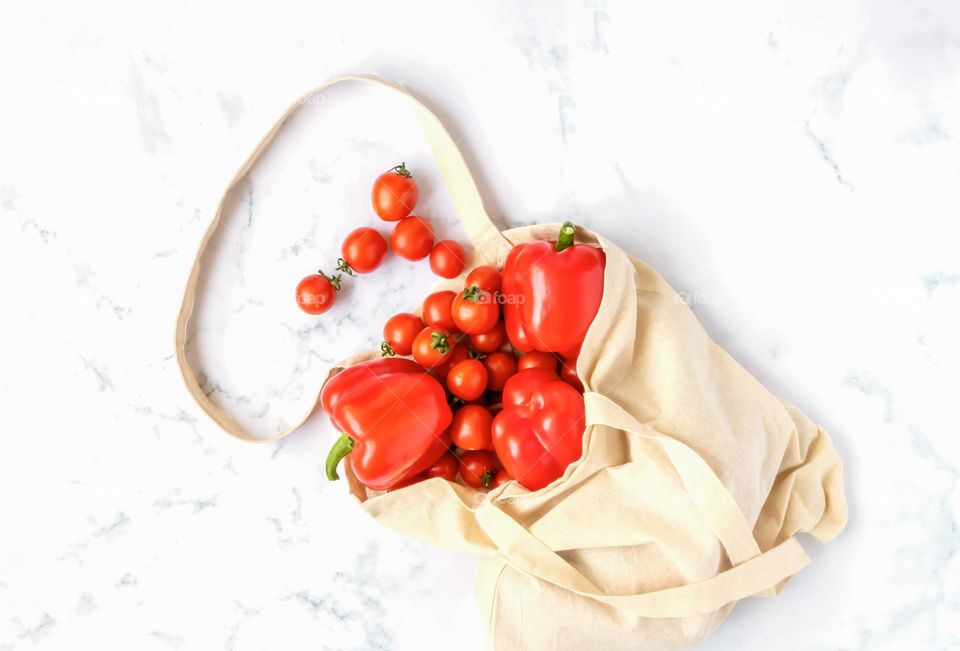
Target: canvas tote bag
point(693, 481)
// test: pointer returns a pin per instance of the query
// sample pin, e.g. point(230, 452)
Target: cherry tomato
point(448, 259)
point(486, 278)
point(479, 467)
point(491, 340)
point(432, 347)
point(467, 379)
point(471, 428)
point(317, 292)
point(459, 353)
point(538, 359)
point(568, 373)
point(363, 249)
point(500, 478)
point(395, 194)
point(399, 332)
point(500, 367)
point(412, 238)
point(436, 310)
point(475, 310)
point(446, 467)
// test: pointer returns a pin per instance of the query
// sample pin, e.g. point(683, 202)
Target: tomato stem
point(344, 267)
point(486, 478)
point(471, 294)
point(475, 354)
point(341, 448)
point(401, 169)
point(440, 341)
point(334, 280)
point(386, 350)
point(565, 239)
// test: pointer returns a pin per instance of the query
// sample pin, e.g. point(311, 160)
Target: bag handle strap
point(489, 244)
point(711, 498)
point(753, 572)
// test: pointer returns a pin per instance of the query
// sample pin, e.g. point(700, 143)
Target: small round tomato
point(467, 380)
point(537, 359)
point(479, 467)
point(317, 292)
point(432, 347)
point(436, 310)
point(486, 278)
point(395, 194)
point(568, 373)
point(363, 250)
point(471, 428)
point(448, 259)
point(475, 310)
point(412, 238)
point(446, 467)
point(500, 478)
point(491, 340)
point(500, 368)
point(459, 353)
point(399, 332)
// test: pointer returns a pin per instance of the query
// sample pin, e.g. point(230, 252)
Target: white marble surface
point(792, 166)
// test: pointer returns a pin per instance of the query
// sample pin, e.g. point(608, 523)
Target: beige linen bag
point(693, 482)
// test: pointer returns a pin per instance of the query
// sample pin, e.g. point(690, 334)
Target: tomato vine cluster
point(394, 196)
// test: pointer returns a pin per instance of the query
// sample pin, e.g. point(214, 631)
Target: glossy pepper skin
point(540, 430)
point(552, 293)
point(393, 416)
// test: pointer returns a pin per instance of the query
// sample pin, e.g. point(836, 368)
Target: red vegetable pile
point(450, 397)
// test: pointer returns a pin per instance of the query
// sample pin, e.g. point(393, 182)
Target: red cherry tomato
point(491, 340)
point(432, 347)
point(448, 259)
point(467, 379)
point(317, 292)
point(568, 373)
point(500, 367)
point(399, 332)
point(501, 478)
point(459, 353)
point(479, 467)
point(446, 467)
point(436, 310)
point(363, 249)
point(475, 310)
point(395, 194)
point(537, 359)
point(412, 238)
point(486, 278)
point(471, 428)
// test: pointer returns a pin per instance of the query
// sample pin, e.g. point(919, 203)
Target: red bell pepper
point(540, 430)
point(552, 293)
point(394, 418)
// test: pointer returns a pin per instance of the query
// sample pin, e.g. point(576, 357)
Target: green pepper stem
point(567, 233)
point(340, 449)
